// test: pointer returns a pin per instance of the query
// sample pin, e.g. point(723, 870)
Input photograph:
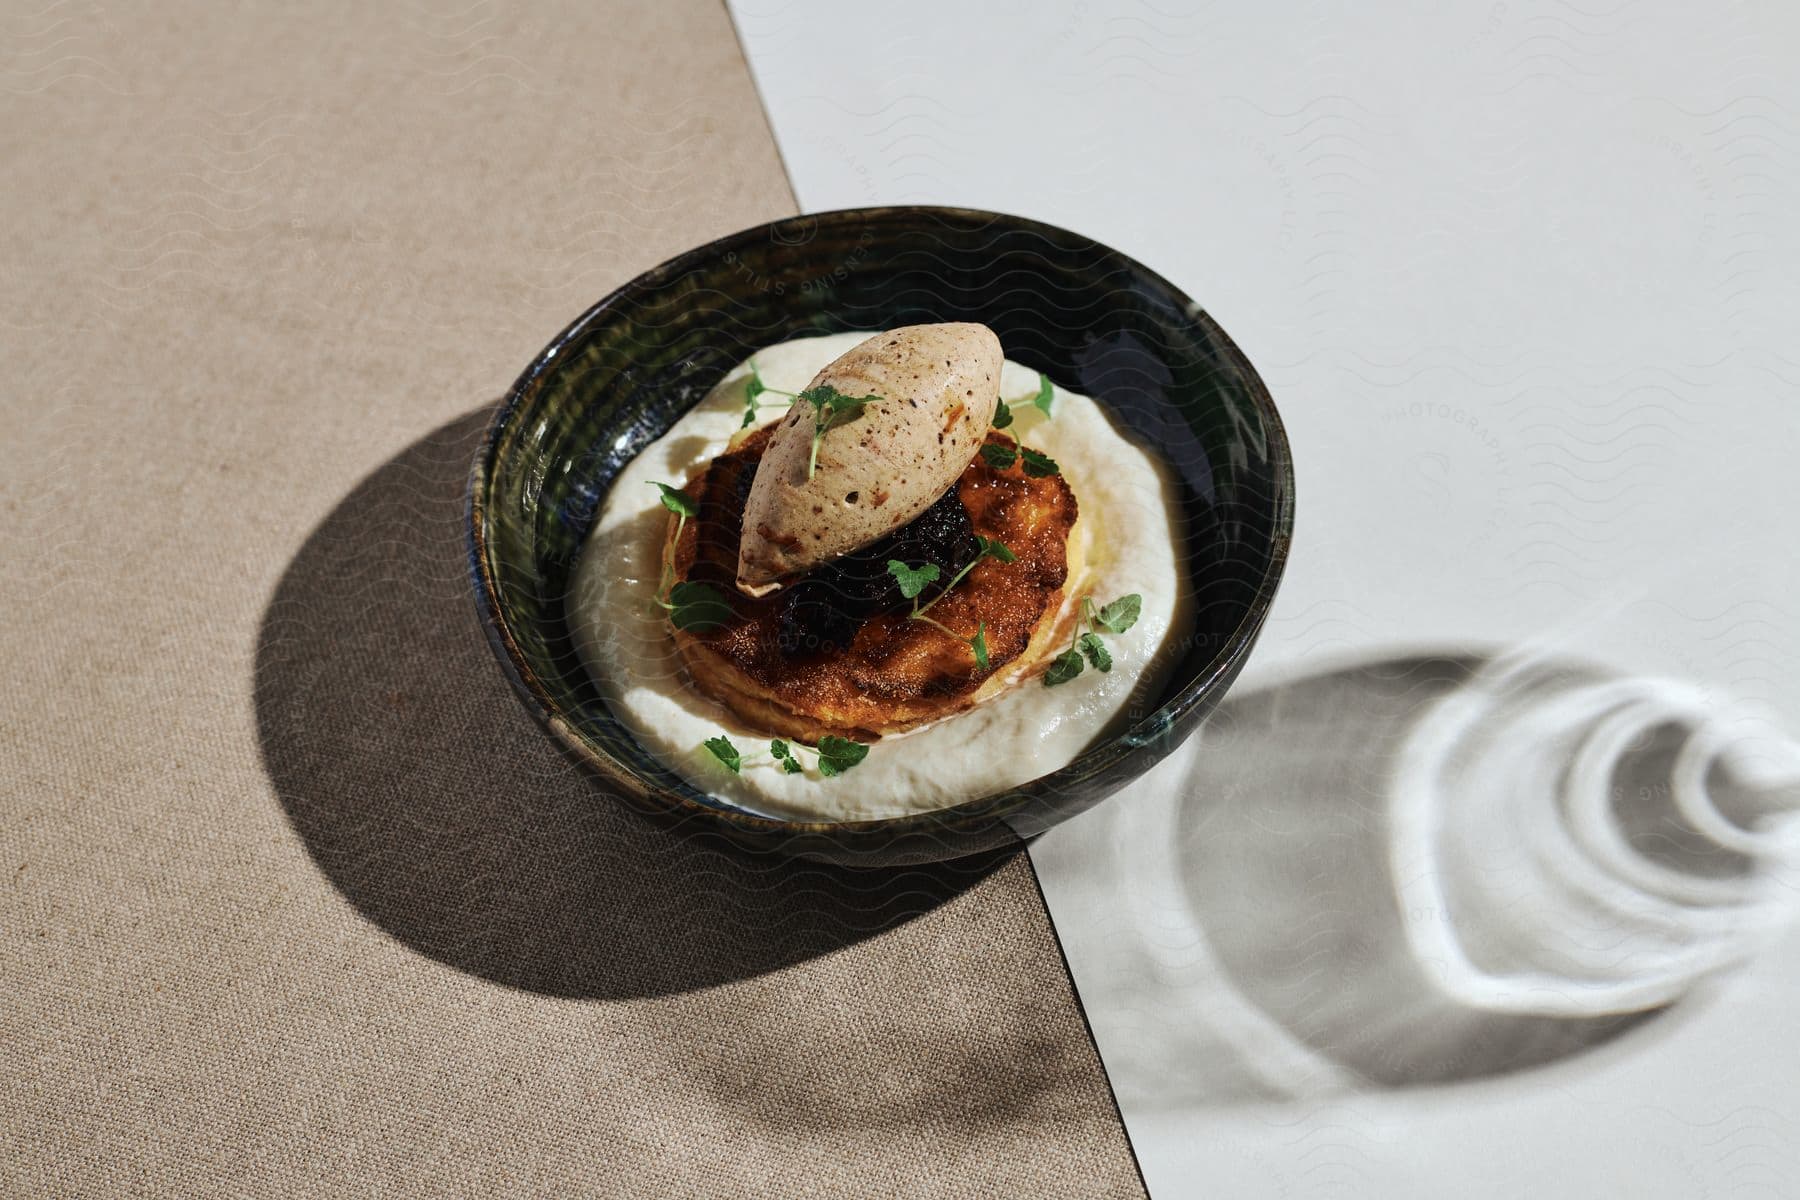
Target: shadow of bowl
point(435, 806)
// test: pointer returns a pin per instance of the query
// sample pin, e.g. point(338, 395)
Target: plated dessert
point(879, 574)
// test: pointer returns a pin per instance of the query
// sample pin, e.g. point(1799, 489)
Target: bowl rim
point(531, 690)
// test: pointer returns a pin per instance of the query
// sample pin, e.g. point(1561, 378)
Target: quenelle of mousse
point(923, 398)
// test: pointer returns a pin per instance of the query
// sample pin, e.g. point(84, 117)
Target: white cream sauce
point(1129, 525)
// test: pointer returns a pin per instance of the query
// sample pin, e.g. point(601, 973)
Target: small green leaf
point(725, 752)
point(1002, 415)
point(696, 608)
point(832, 408)
point(753, 390)
point(1121, 614)
point(1096, 651)
point(678, 501)
point(1038, 465)
point(837, 755)
point(1063, 668)
point(978, 644)
point(912, 580)
point(785, 756)
point(996, 549)
point(998, 456)
point(1046, 393)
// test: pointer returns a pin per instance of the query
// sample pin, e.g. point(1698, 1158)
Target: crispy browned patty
point(895, 672)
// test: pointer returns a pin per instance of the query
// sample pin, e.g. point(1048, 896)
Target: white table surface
point(1524, 279)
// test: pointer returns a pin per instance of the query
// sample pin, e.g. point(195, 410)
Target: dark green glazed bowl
point(1092, 319)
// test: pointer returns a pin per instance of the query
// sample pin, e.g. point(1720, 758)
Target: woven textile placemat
point(296, 899)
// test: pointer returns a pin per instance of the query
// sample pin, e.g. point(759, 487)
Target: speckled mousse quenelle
point(918, 400)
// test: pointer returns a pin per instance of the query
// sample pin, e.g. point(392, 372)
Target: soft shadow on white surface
point(1419, 871)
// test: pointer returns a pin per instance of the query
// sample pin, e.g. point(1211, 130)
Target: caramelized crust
point(896, 672)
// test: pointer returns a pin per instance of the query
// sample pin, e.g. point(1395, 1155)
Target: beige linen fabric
point(294, 899)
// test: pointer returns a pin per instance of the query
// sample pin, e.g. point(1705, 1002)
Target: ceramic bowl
point(1094, 320)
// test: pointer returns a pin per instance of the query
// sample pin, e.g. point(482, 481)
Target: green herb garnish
point(1063, 668)
point(831, 408)
point(753, 394)
point(1037, 464)
point(998, 456)
point(986, 548)
point(837, 755)
point(992, 548)
point(1046, 395)
point(683, 506)
point(1002, 457)
point(677, 502)
point(912, 580)
point(1095, 650)
point(693, 607)
point(725, 752)
point(784, 756)
point(696, 608)
point(1090, 623)
point(1120, 615)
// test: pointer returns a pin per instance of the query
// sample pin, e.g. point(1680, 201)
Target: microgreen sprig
point(677, 502)
point(753, 396)
point(1118, 616)
point(785, 756)
point(1090, 623)
point(697, 608)
point(753, 392)
point(722, 749)
point(758, 385)
point(1001, 457)
point(839, 754)
point(683, 506)
point(831, 408)
point(835, 755)
point(1037, 464)
point(1046, 396)
point(985, 548)
point(693, 607)
point(913, 580)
